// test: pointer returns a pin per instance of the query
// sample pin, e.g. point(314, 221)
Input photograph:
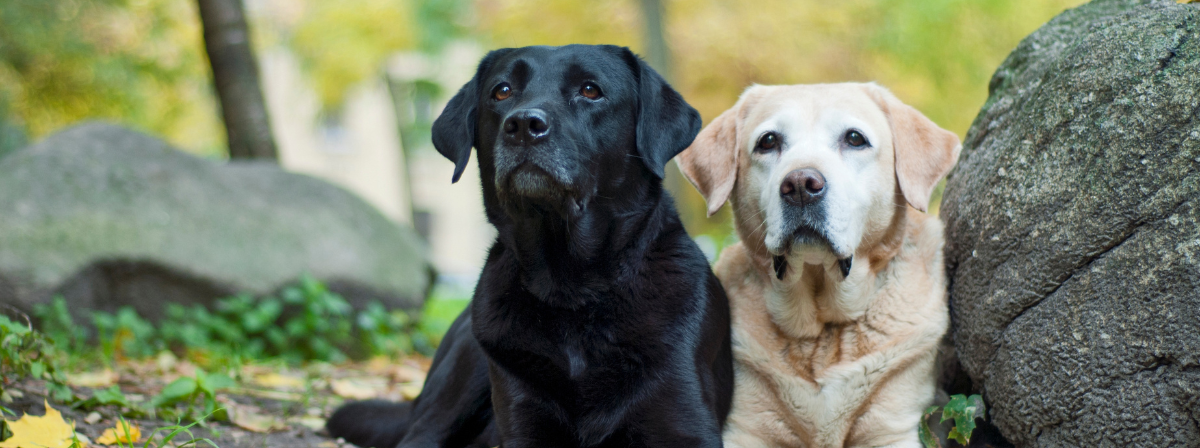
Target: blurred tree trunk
point(658, 54)
point(235, 75)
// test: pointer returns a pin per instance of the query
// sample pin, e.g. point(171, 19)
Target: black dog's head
point(556, 127)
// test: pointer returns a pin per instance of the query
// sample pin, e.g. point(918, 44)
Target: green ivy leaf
point(925, 433)
point(980, 408)
point(955, 436)
point(964, 410)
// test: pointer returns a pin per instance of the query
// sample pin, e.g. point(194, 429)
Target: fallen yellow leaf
point(313, 423)
point(380, 364)
point(47, 431)
point(120, 434)
point(279, 381)
point(410, 390)
point(357, 389)
point(98, 379)
point(408, 374)
point(1186, 1)
point(252, 418)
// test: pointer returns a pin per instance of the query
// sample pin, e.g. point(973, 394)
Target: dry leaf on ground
point(313, 423)
point(252, 418)
point(120, 434)
point(96, 380)
point(358, 388)
point(279, 381)
point(48, 431)
point(411, 390)
point(405, 373)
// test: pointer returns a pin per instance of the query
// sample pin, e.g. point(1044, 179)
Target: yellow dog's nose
point(802, 187)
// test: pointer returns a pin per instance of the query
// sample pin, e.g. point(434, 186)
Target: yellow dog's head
point(818, 173)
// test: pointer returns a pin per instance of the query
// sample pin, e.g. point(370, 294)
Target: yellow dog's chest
point(821, 385)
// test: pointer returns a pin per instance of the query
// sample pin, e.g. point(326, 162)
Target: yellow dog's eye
point(856, 139)
point(590, 91)
point(768, 142)
point(502, 92)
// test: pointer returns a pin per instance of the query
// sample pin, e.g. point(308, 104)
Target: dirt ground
point(273, 406)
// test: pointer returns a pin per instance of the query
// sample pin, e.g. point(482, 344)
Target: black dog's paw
point(370, 424)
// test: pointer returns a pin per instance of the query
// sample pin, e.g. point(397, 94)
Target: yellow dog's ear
point(710, 163)
point(924, 152)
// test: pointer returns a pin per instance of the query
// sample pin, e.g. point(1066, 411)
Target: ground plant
point(963, 410)
point(305, 324)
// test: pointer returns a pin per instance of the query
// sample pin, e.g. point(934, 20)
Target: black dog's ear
point(666, 123)
point(454, 131)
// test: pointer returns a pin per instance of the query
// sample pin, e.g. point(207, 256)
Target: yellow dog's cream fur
point(822, 360)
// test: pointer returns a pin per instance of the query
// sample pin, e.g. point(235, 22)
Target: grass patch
point(257, 364)
point(443, 306)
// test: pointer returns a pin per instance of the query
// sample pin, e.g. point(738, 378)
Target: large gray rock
point(108, 216)
point(1073, 243)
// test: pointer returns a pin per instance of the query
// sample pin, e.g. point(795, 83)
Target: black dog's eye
point(856, 139)
point(502, 92)
point(590, 91)
point(768, 142)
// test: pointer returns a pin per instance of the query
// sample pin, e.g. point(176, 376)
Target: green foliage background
point(142, 62)
point(139, 62)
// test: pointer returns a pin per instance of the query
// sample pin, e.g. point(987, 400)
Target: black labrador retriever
point(596, 321)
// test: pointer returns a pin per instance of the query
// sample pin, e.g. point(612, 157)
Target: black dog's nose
point(803, 186)
point(526, 126)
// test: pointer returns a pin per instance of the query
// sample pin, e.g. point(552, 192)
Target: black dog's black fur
point(596, 321)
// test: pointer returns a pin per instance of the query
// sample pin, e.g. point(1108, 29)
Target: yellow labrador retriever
point(837, 286)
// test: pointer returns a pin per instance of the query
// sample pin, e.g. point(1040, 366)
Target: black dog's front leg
point(691, 425)
point(668, 416)
point(454, 408)
point(525, 418)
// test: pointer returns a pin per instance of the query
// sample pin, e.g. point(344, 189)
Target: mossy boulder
point(1073, 238)
point(108, 217)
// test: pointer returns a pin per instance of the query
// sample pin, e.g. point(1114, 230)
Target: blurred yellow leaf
point(120, 434)
point(407, 373)
point(98, 379)
point(410, 390)
point(1186, 1)
point(252, 418)
point(47, 431)
point(279, 381)
point(313, 423)
point(354, 388)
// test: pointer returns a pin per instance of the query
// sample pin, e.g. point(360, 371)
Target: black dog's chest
point(577, 351)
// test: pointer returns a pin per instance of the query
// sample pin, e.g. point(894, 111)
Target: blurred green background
point(142, 62)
